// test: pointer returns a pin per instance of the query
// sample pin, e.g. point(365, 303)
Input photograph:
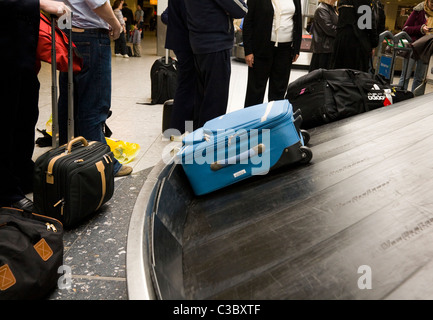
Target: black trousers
point(120, 44)
point(276, 68)
point(213, 81)
point(320, 60)
point(18, 116)
point(183, 106)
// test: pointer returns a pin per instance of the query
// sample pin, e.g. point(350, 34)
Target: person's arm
point(411, 26)
point(54, 7)
point(236, 8)
point(164, 16)
point(106, 13)
point(323, 19)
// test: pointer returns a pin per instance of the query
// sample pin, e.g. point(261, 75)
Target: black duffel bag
point(31, 252)
point(325, 96)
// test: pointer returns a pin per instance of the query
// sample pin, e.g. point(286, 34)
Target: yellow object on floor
point(123, 151)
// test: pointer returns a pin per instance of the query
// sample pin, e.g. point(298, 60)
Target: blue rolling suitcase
point(243, 143)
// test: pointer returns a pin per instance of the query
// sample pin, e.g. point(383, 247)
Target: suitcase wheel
point(306, 154)
point(305, 136)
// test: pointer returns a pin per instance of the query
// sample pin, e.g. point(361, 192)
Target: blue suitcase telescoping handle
point(259, 149)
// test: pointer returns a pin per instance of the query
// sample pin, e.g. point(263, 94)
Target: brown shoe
point(124, 171)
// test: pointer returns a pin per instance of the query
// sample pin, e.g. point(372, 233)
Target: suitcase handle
point(82, 139)
point(217, 165)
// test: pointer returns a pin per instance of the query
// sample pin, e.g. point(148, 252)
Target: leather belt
point(96, 30)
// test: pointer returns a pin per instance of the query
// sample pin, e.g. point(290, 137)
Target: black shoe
point(24, 204)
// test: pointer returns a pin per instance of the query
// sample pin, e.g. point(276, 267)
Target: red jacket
point(43, 52)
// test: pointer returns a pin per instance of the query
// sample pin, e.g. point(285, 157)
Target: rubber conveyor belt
point(363, 204)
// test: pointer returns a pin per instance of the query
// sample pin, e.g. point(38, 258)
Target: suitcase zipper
point(51, 227)
point(39, 216)
point(62, 201)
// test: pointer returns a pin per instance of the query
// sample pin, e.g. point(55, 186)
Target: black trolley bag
point(31, 252)
point(71, 182)
point(325, 96)
point(163, 79)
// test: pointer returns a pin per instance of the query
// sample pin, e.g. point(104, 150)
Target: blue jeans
point(92, 89)
point(418, 76)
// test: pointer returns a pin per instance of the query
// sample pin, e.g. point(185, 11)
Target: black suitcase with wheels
point(163, 77)
point(72, 181)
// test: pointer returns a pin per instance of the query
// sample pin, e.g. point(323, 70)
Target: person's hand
point(295, 57)
point(116, 29)
point(249, 60)
point(54, 7)
point(425, 29)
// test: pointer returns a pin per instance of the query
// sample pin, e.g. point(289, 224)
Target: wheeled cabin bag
point(243, 143)
point(72, 181)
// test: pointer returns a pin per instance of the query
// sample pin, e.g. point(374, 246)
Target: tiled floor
point(96, 250)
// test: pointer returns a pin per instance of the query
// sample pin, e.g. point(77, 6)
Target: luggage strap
point(267, 111)
point(361, 91)
point(101, 168)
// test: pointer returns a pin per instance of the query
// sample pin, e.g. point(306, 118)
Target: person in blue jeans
point(416, 27)
point(91, 22)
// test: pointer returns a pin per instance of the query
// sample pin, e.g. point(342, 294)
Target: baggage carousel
point(354, 223)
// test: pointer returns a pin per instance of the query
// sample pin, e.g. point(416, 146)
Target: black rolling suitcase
point(163, 77)
point(72, 181)
point(325, 96)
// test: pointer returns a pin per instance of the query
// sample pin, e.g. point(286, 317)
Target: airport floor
point(96, 250)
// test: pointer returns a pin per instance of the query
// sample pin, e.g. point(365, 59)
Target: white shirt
point(282, 28)
point(83, 14)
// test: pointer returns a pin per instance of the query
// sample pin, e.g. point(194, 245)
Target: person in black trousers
point(20, 96)
point(177, 39)
point(210, 25)
point(272, 33)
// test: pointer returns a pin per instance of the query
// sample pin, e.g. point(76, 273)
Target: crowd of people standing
point(201, 34)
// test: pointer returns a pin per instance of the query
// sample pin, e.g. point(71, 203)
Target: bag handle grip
point(77, 139)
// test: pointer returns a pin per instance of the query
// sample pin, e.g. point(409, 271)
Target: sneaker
point(124, 171)
point(118, 54)
point(125, 56)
